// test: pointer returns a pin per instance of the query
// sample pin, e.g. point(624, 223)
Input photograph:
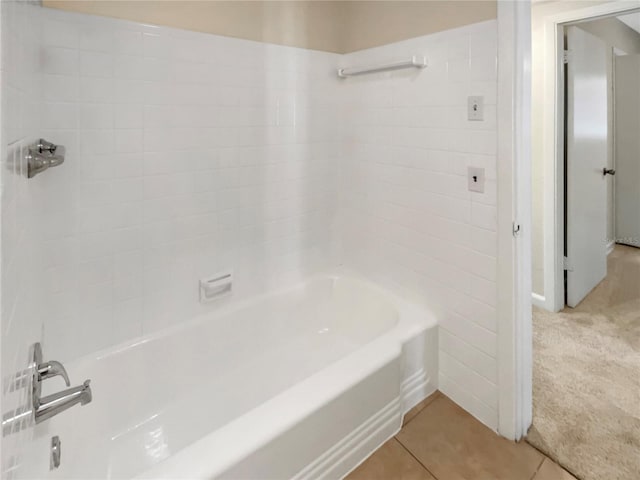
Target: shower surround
point(189, 154)
point(409, 220)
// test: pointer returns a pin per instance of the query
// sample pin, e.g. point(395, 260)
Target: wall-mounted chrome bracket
point(42, 156)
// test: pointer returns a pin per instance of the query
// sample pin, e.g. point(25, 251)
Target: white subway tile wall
point(22, 282)
point(189, 154)
point(408, 219)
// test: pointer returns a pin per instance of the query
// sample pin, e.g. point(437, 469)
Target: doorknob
point(608, 171)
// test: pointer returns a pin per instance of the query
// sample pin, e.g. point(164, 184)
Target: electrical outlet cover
point(475, 108)
point(475, 176)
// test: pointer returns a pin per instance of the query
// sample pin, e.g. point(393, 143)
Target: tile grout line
point(546, 456)
point(435, 396)
point(539, 467)
point(416, 459)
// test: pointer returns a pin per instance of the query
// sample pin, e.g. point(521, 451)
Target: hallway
point(586, 377)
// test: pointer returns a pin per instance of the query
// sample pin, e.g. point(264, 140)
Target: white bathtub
point(301, 384)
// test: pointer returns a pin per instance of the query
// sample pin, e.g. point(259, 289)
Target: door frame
point(514, 292)
point(553, 144)
point(514, 334)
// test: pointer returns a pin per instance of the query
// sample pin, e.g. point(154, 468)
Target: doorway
point(587, 336)
point(601, 61)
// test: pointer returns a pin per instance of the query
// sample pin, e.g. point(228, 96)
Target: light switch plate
point(475, 108)
point(475, 176)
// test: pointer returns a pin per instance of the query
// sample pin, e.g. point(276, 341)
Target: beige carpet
point(586, 377)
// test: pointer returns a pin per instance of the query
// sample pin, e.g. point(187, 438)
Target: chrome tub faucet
point(55, 403)
point(51, 405)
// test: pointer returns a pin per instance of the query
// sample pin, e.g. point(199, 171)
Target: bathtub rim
point(404, 306)
point(280, 413)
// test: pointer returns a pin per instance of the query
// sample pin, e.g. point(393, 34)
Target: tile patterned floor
point(440, 441)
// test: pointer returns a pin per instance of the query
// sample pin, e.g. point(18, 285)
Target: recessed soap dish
point(216, 286)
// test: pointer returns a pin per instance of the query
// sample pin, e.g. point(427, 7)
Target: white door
point(627, 128)
point(586, 145)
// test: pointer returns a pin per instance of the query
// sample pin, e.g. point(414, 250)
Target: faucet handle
point(48, 146)
point(53, 369)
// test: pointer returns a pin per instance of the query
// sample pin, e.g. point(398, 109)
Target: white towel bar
point(413, 62)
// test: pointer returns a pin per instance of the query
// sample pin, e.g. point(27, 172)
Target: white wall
point(22, 282)
point(410, 221)
point(187, 154)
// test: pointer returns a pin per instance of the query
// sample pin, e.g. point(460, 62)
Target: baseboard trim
point(539, 300)
point(610, 247)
